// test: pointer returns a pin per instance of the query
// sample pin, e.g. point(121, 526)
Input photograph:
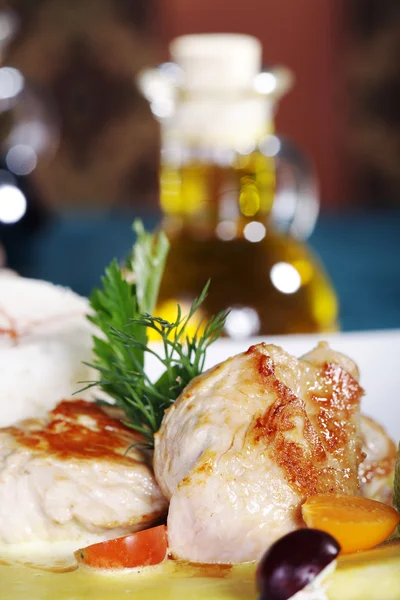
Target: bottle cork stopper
point(213, 62)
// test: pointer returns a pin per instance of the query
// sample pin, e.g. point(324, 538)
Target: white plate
point(377, 354)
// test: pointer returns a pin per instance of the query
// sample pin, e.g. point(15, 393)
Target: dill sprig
point(123, 312)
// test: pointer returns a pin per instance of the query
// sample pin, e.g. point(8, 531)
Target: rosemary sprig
point(123, 312)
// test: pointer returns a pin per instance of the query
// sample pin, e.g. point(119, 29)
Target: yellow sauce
point(372, 575)
point(168, 581)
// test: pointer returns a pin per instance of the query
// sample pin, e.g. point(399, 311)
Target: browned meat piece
point(248, 440)
point(70, 477)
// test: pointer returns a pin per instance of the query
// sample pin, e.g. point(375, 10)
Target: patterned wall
point(84, 55)
point(374, 86)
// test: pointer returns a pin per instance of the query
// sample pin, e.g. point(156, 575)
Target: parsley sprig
point(123, 313)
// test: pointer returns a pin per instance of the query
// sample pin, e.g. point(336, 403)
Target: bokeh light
point(242, 322)
point(21, 159)
point(285, 278)
point(11, 83)
point(13, 204)
point(254, 231)
point(265, 83)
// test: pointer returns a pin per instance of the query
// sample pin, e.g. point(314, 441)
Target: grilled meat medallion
point(248, 440)
point(70, 477)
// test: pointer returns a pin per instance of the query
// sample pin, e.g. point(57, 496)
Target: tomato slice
point(141, 549)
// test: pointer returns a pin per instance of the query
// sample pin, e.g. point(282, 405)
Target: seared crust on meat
point(77, 475)
point(326, 431)
point(247, 441)
point(80, 430)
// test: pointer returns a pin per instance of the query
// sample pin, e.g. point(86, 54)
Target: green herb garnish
point(123, 312)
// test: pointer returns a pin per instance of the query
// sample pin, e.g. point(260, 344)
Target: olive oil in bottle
point(218, 188)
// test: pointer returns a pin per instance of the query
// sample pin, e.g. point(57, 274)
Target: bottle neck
point(205, 188)
point(213, 169)
point(220, 121)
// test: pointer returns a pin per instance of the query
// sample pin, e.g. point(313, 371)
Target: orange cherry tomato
point(141, 549)
point(357, 523)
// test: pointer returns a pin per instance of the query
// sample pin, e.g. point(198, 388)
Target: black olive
point(293, 562)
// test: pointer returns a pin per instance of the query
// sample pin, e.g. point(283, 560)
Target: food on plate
point(357, 523)
point(69, 477)
point(377, 468)
point(142, 549)
point(44, 340)
point(247, 441)
point(296, 566)
point(247, 454)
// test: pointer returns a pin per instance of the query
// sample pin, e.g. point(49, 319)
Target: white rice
point(43, 363)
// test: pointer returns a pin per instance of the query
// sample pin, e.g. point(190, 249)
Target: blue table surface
point(360, 251)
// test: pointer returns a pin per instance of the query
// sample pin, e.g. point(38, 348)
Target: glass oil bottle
point(225, 188)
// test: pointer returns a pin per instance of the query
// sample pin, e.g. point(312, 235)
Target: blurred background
point(80, 151)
